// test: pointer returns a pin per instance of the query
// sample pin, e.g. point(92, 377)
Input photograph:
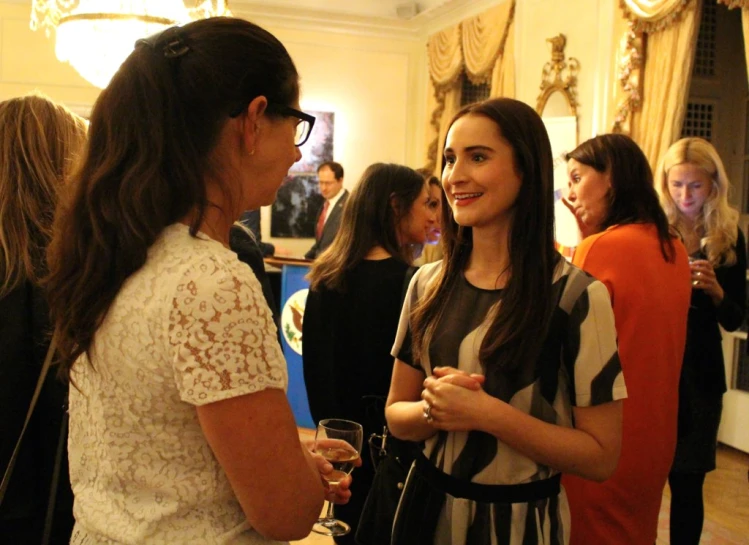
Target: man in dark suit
point(330, 177)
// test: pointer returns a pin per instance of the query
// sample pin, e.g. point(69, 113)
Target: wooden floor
point(726, 494)
point(726, 504)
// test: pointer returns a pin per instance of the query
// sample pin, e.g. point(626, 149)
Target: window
point(471, 92)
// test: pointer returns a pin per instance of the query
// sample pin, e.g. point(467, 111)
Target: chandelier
point(96, 36)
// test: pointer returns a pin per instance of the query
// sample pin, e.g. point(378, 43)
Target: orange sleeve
point(591, 257)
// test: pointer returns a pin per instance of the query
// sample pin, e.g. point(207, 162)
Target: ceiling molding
point(325, 21)
point(418, 28)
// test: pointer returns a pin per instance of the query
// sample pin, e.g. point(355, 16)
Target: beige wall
point(28, 62)
point(374, 82)
point(588, 25)
point(375, 87)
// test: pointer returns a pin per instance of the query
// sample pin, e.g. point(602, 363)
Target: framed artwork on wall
point(294, 213)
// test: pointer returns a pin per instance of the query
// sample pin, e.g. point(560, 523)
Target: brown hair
point(371, 216)
point(39, 144)
point(527, 304)
point(633, 198)
point(151, 151)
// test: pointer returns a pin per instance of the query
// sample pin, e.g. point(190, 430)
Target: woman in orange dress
point(629, 247)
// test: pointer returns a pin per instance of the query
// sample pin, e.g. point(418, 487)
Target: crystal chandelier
point(95, 36)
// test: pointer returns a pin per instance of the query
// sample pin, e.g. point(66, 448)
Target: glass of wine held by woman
point(340, 443)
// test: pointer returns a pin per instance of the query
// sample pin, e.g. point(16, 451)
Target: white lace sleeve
point(224, 342)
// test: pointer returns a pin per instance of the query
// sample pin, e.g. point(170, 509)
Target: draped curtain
point(658, 96)
point(668, 28)
point(666, 78)
point(482, 47)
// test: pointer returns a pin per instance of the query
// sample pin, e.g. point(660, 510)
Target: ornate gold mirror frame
point(559, 76)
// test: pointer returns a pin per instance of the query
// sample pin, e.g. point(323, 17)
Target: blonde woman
point(693, 189)
point(39, 142)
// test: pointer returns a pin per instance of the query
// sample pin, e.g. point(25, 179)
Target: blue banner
point(294, 289)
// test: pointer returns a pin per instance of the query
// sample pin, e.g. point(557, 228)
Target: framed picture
point(294, 213)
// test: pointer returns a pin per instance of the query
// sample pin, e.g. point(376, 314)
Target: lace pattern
point(191, 327)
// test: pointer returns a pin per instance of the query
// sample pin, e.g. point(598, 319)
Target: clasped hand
point(339, 494)
point(454, 398)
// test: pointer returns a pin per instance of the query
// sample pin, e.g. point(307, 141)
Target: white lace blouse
point(190, 327)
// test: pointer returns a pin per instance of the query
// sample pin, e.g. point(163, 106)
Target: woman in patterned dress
point(180, 429)
point(693, 188)
point(506, 362)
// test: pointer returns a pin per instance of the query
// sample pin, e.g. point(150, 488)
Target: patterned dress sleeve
point(591, 351)
point(403, 346)
point(222, 335)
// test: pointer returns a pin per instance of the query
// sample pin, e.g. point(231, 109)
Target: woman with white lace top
point(180, 428)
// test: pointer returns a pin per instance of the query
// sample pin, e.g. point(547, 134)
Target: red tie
point(321, 219)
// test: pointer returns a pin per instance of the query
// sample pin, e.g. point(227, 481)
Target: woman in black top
point(354, 303)
point(693, 188)
point(40, 141)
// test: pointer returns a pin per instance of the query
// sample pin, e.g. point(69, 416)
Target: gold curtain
point(653, 15)
point(669, 55)
point(483, 47)
point(745, 23)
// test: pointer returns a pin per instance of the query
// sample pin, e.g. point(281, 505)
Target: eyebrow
point(477, 147)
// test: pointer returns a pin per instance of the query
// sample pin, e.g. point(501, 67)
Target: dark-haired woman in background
point(629, 247)
point(513, 374)
point(180, 429)
point(351, 314)
point(432, 250)
point(693, 187)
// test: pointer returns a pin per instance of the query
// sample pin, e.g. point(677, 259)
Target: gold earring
point(252, 151)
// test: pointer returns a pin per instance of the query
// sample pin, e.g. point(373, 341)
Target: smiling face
point(480, 178)
point(689, 187)
point(588, 194)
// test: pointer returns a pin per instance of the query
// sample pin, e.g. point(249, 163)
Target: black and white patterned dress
point(578, 365)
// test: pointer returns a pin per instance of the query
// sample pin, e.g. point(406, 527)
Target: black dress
point(703, 376)
point(24, 339)
point(347, 362)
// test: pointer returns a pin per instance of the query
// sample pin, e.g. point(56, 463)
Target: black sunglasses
point(303, 128)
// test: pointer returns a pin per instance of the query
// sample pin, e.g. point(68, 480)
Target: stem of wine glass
point(329, 515)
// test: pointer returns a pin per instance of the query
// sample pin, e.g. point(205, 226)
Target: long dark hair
point(371, 216)
point(523, 317)
point(633, 198)
point(151, 147)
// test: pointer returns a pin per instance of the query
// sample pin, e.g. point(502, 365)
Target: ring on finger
point(428, 413)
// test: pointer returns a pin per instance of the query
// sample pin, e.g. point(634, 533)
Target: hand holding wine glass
point(340, 443)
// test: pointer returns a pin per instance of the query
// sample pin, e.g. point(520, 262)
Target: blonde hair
point(39, 141)
point(718, 221)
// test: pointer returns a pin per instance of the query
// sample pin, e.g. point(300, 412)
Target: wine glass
point(340, 443)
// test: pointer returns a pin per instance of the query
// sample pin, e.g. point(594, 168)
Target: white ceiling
point(385, 9)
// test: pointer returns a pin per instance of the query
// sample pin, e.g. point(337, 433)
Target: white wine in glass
point(340, 443)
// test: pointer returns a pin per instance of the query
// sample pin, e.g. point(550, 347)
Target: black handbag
point(392, 459)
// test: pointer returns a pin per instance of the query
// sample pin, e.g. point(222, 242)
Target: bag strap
point(34, 399)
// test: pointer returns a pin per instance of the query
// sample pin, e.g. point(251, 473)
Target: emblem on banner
point(292, 316)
